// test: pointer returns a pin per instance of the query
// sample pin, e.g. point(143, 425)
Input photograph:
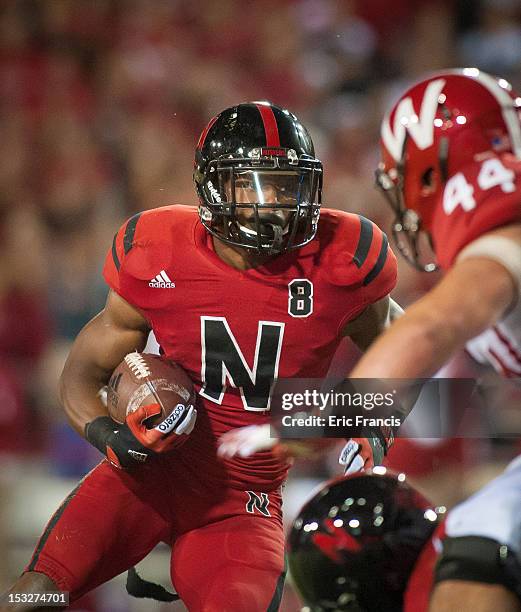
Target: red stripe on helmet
point(270, 125)
point(204, 133)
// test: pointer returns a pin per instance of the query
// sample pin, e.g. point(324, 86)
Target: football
point(143, 378)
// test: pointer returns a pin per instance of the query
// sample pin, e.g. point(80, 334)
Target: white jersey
point(500, 346)
point(492, 512)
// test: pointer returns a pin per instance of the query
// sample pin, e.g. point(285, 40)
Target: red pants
point(227, 544)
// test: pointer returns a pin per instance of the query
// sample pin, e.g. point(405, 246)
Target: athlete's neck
point(237, 257)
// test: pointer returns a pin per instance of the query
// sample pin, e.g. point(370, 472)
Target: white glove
point(361, 454)
point(351, 458)
point(245, 441)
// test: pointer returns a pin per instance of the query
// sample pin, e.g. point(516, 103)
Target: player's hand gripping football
point(128, 444)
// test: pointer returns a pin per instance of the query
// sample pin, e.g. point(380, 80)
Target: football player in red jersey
point(370, 543)
point(451, 170)
point(248, 287)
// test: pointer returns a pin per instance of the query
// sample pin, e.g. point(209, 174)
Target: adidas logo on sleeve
point(161, 281)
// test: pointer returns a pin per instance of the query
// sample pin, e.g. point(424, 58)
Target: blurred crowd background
point(102, 102)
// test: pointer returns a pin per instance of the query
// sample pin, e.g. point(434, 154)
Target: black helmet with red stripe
point(257, 178)
point(354, 544)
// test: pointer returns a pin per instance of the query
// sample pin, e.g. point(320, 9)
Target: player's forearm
point(79, 393)
point(80, 385)
point(426, 336)
point(99, 348)
point(373, 322)
point(473, 597)
point(412, 348)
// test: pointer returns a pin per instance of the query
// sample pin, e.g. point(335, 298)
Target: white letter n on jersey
point(222, 360)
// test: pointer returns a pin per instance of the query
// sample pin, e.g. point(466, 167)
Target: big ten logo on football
point(300, 301)
point(459, 192)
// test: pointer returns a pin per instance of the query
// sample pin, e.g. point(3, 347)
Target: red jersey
point(484, 196)
point(421, 581)
point(234, 331)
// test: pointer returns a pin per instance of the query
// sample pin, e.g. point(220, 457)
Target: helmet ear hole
point(429, 182)
point(427, 178)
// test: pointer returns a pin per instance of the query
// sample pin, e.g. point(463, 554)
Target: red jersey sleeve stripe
point(380, 262)
point(364, 241)
point(270, 125)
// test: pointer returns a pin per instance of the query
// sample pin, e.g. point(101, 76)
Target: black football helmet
point(257, 178)
point(354, 544)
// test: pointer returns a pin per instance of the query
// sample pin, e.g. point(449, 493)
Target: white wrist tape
point(395, 312)
point(506, 251)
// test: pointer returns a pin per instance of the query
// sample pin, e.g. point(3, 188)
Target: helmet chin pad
point(273, 229)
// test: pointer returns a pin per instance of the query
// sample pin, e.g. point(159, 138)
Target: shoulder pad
point(144, 243)
point(359, 252)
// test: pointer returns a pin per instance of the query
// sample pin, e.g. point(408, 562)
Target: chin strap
point(270, 228)
point(277, 238)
